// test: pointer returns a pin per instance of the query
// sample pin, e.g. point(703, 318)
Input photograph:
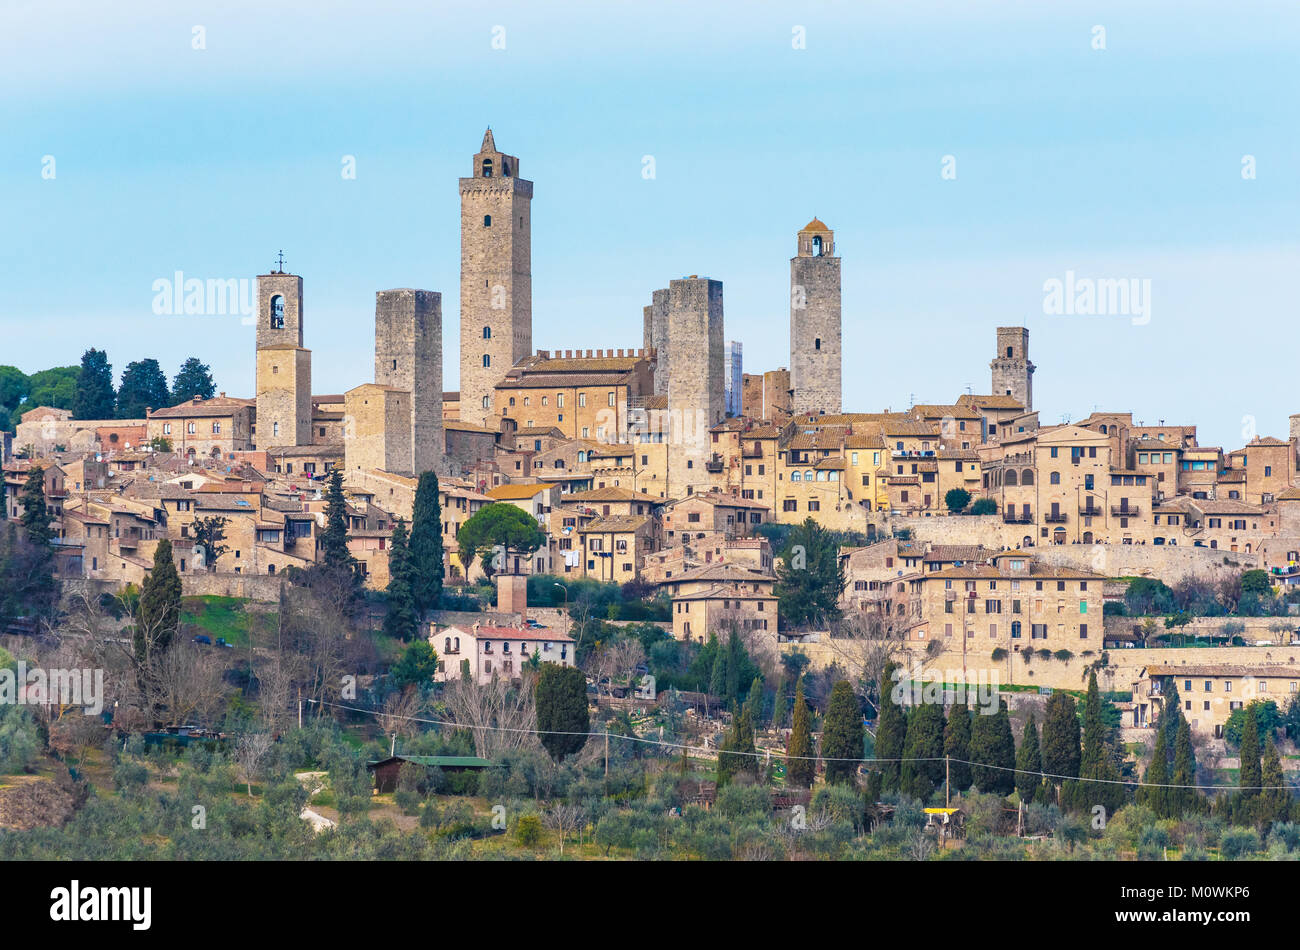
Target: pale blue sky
point(1117, 163)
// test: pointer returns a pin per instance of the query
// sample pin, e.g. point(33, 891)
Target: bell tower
point(283, 366)
point(496, 280)
point(815, 337)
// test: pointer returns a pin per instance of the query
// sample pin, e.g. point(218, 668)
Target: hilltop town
point(637, 512)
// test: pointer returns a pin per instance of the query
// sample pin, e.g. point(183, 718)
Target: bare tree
point(189, 683)
point(400, 710)
point(565, 819)
point(251, 754)
point(501, 717)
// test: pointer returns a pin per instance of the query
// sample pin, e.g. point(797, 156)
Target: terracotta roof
point(815, 225)
point(614, 523)
point(516, 492)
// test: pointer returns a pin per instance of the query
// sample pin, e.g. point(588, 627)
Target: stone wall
point(259, 587)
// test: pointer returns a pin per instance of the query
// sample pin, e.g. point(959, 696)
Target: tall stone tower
point(815, 338)
point(696, 398)
point(408, 357)
point(656, 337)
point(1013, 374)
point(496, 280)
point(283, 370)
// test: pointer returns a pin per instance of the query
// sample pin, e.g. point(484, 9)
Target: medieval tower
point(283, 372)
point(694, 379)
point(408, 357)
point(1013, 374)
point(815, 363)
point(655, 337)
point(496, 283)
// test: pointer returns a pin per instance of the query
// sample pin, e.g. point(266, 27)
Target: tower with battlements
point(1013, 374)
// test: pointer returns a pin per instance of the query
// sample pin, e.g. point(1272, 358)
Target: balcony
point(1092, 512)
point(714, 464)
point(1011, 517)
point(1055, 517)
point(1125, 511)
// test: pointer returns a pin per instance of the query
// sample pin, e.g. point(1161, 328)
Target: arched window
point(582, 456)
point(487, 168)
point(277, 312)
point(1103, 430)
point(1028, 477)
point(1015, 629)
point(487, 333)
point(456, 645)
point(1011, 476)
point(486, 402)
point(487, 360)
point(796, 476)
point(817, 246)
point(808, 476)
point(270, 569)
point(487, 220)
point(1056, 478)
point(512, 400)
point(446, 645)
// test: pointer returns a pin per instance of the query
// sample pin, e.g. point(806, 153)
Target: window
point(487, 168)
point(611, 399)
point(487, 220)
point(277, 312)
point(487, 360)
point(487, 333)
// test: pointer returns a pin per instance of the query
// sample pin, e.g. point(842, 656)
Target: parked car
point(204, 639)
point(221, 642)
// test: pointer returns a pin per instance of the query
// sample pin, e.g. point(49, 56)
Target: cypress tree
point(956, 746)
point(1060, 746)
point(401, 621)
point(754, 701)
point(30, 584)
point(1096, 761)
point(799, 763)
point(1185, 798)
point(1029, 763)
point(1275, 798)
point(778, 705)
point(334, 538)
point(842, 734)
point(160, 605)
point(1149, 792)
point(1251, 772)
point(993, 749)
point(891, 732)
point(735, 665)
point(718, 676)
point(739, 740)
point(426, 544)
point(923, 766)
point(35, 518)
point(562, 715)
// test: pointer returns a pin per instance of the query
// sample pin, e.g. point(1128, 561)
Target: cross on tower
point(280, 263)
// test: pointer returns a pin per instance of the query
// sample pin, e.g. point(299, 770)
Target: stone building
point(496, 282)
point(1013, 374)
point(766, 395)
point(379, 429)
point(204, 427)
point(408, 357)
point(584, 394)
point(815, 331)
point(656, 337)
point(283, 374)
point(695, 385)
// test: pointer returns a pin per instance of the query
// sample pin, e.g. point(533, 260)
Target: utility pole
point(299, 707)
point(947, 781)
point(606, 753)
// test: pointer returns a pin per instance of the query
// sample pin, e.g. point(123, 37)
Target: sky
point(965, 154)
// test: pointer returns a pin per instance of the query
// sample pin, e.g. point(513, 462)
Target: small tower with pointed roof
point(496, 280)
point(815, 339)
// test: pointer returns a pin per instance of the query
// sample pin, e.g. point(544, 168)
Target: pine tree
point(144, 387)
point(160, 606)
point(956, 746)
point(993, 749)
point(842, 746)
point(800, 766)
point(923, 767)
point(891, 733)
point(193, 381)
point(1029, 763)
point(401, 620)
point(1060, 746)
point(426, 543)
point(95, 397)
point(1150, 792)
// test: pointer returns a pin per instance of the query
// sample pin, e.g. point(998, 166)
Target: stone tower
point(695, 379)
point(496, 282)
point(656, 337)
point(408, 357)
point(1013, 374)
point(283, 370)
point(815, 338)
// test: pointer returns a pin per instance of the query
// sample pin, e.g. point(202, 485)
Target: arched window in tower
point(487, 168)
point(487, 360)
point(486, 402)
point(487, 333)
point(277, 312)
point(817, 245)
point(487, 220)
